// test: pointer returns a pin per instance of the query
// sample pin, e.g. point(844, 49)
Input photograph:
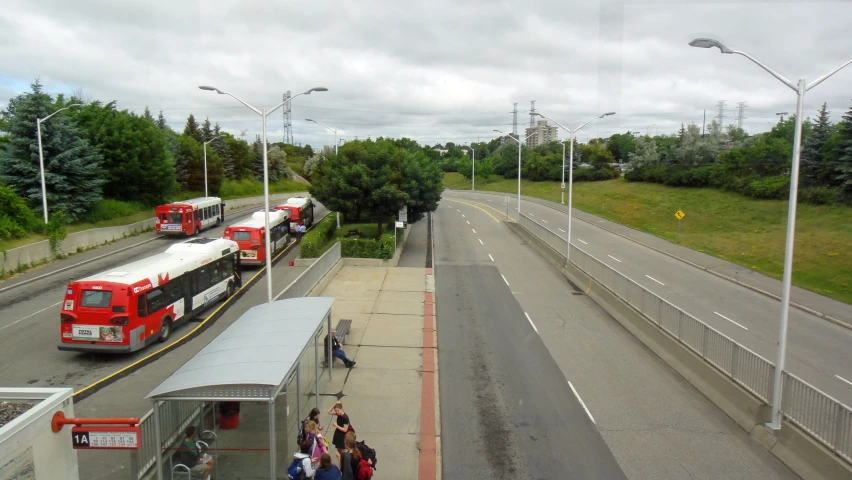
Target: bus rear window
point(175, 217)
point(242, 236)
point(96, 298)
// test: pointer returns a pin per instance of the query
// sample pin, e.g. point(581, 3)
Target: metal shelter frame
point(253, 360)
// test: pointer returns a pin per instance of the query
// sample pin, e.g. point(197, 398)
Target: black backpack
point(367, 453)
point(302, 434)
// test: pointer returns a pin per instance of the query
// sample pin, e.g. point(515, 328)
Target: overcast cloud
point(435, 70)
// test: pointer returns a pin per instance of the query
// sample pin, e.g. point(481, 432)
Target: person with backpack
point(301, 468)
point(327, 470)
point(319, 445)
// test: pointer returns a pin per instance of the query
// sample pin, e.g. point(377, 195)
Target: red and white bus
point(189, 217)
point(126, 308)
point(250, 235)
point(301, 211)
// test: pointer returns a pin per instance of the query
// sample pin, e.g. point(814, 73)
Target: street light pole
point(571, 173)
point(800, 87)
point(473, 169)
point(39, 121)
point(205, 162)
point(518, 141)
point(336, 214)
point(263, 114)
point(562, 185)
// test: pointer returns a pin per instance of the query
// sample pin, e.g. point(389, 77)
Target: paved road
point(491, 357)
point(29, 320)
point(818, 351)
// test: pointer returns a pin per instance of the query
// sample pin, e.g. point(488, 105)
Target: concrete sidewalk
point(390, 396)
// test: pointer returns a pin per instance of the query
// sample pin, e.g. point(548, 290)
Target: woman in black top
point(341, 426)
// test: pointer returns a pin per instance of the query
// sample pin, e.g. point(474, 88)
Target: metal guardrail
point(823, 417)
point(176, 416)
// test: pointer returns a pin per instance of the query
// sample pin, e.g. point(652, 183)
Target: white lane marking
point(468, 222)
point(654, 279)
point(489, 256)
point(582, 403)
point(30, 315)
point(480, 241)
point(610, 256)
point(531, 323)
point(580, 240)
point(463, 215)
point(458, 210)
point(728, 319)
point(543, 220)
point(601, 221)
point(504, 279)
point(474, 231)
point(532, 215)
point(563, 231)
point(843, 380)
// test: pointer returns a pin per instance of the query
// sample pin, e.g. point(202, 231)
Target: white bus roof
point(257, 220)
point(200, 201)
point(175, 261)
point(296, 201)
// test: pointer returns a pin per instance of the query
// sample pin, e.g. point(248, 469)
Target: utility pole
point(703, 122)
point(741, 106)
point(288, 120)
point(720, 117)
point(515, 120)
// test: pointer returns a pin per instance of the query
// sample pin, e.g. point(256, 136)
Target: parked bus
point(189, 217)
point(301, 211)
point(126, 308)
point(250, 235)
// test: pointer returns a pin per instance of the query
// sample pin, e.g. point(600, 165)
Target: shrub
point(9, 228)
point(820, 195)
point(317, 240)
point(594, 174)
point(368, 248)
point(775, 187)
point(107, 209)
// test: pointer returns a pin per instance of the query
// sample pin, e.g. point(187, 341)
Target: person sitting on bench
point(337, 350)
point(192, 457)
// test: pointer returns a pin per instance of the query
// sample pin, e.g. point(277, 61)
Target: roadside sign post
point(396, 227)
point(100, 433)
point(679, 215)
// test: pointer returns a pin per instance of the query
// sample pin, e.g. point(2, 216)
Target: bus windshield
point(175, 217)
point(96, 298)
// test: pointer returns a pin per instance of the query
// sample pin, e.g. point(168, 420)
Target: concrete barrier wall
point(793, 446)
point(40, 252)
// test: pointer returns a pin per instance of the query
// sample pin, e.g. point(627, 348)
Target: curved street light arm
point(324, 125)
point(276, 107)
point(42, 120)
point(771, 72)
point(214, 138)
point(820, 79)
point(244, 103)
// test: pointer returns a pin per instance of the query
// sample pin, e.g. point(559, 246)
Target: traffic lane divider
point(94, 387)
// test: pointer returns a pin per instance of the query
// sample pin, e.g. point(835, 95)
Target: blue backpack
point(294, 471)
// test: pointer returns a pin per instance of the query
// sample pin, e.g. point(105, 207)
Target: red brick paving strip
point(428, 463)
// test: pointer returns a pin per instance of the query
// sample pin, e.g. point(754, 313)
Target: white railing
point(307, 280)
point(823, 417)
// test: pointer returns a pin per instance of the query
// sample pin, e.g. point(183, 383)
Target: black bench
point(342, 329)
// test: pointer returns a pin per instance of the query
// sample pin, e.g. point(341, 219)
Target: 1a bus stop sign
point(105, 438)
point(679, 214)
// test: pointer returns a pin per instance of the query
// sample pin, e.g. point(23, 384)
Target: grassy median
point(739, 229)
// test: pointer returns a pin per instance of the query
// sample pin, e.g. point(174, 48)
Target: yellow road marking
point(590, 287)
point(474, 206)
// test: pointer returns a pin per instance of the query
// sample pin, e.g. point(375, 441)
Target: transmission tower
point(741, 106)
point(288, 120)
point(532, 114)
point(720, 117)
point(515, 120)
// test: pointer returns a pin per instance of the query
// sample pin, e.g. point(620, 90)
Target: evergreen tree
point(681, 133)
point(73, 173)
point(161, 121)
point(147, 115)
point(206, 130)
point(843, 164)
point(242, 156)
point(220, 149)
point(191, 129)
point(815, 169)
point(257, 160)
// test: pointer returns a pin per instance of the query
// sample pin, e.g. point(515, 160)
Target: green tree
point(207, 130)
point(137, 162)
point(422, 182)
point(363, 182)
point(147, 115)
point(816, 170)
point(191, 129)
point(597, 155)
point(277, 160)
point(72, 166)
point(189, 162)
point(241, 155)
point(645, 154)
point(257, 158)
point(16, 218)
point(621, 145)
point(220, 149)
point(843, 164)
point(161, 122)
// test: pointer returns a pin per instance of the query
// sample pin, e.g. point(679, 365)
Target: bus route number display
point(105, 438)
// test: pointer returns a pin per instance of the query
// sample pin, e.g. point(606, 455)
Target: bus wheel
point(165, 330)
point(197, 231)
point(230, 290)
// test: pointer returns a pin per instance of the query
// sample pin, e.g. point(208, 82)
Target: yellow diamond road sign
point(679, 214)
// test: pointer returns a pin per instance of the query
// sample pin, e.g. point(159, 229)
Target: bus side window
point(156, 300)
point(198, 215)
point(202, 280)
point(140, 306)
point(229, 265)
point(172, 290)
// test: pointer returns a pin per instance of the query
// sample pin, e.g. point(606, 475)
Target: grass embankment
point(111, 213)
point(739, 229)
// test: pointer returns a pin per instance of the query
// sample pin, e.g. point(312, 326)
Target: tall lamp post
point(520, 143)
point(570, 171)
point(473, 168)
point(39, 121)
point(265, 112)
point(781, 116)
point(336, 214)
point(205, 162)
point(800, 88)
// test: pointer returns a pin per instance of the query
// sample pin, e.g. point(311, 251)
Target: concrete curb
point(809, 310)
point(794, 447)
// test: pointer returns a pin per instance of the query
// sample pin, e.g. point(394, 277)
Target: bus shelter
point(267, 363)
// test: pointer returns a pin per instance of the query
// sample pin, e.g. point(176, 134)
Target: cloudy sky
point(434, 70)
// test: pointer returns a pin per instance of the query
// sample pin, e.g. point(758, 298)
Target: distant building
point(440, 149)
point(541, 134)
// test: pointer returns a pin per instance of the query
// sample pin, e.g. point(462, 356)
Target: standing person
point(345, 460)
point(318, 447)
point(336, 350)
point(327, 470)
point(303, 457)
point(302, 231)
point(341, 425)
